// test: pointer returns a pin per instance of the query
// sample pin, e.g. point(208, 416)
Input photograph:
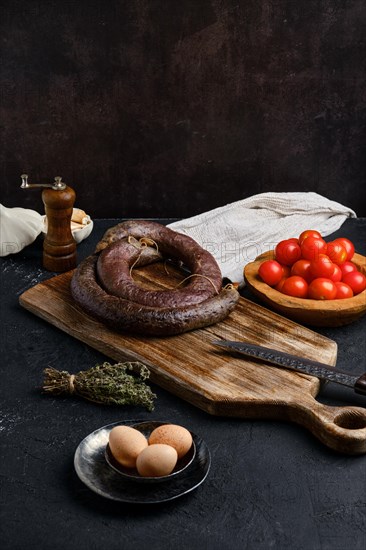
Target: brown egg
point(156, 460)
point(126, 444)
point(173, 435)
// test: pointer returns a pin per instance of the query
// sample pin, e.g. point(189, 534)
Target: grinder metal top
point(58, 185)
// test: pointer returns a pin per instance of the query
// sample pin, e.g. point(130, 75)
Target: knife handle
point(360, 385)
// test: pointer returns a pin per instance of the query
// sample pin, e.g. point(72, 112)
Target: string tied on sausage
point(199, 275)
point(141, 244)
point(231, 286)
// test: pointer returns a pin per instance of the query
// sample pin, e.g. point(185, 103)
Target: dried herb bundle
point(105, 384)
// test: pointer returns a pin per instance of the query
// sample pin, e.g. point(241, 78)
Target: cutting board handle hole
point(351, 420)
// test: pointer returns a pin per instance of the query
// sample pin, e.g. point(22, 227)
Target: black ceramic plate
point(94, 471)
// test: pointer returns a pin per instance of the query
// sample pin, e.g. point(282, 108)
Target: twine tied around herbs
point(71, 384)
point(104, 384)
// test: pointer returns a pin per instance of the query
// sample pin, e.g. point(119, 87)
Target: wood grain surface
point(190, 367)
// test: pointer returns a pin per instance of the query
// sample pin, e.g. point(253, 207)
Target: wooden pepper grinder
point(59, 247)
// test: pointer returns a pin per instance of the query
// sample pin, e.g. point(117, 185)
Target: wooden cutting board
point(190, 367)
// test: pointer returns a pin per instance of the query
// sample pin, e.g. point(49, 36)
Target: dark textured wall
point(172, 107)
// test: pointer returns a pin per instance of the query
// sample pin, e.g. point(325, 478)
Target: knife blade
point(299, 364)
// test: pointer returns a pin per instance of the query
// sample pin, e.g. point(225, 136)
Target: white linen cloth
point(19, 227)
point(238, 232)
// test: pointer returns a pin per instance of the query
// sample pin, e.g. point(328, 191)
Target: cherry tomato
point(322, 266)
point(287, 252)
point(336, 252)
point(295, 286)
point(348, 245)
point(271, 272)
point(301, 268)
point(309, 233)
point(280, 284)
point(311, 247)
point(337, 274)
point(356, 280)
point(322, 289)
point(348, 267)
point(343, 291)
point(286, 274)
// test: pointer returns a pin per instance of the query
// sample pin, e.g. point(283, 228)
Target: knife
point(299, 364)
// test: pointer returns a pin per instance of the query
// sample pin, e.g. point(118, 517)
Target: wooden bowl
point(320, 313)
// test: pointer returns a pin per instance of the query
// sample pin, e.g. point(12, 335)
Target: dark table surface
point(271, 484)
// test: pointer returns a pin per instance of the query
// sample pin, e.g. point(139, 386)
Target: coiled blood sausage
point(115, 261)
point(103, 286)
